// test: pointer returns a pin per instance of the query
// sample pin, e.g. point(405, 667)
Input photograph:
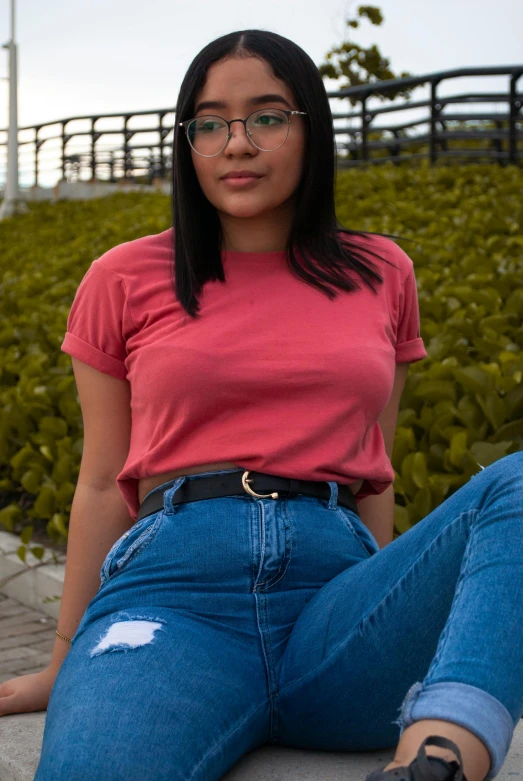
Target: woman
point(249, 602)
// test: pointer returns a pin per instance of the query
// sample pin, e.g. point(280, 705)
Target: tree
point(359, 65)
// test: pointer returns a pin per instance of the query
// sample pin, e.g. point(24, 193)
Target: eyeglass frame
point(185, 124)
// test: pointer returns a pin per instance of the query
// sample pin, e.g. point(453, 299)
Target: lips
point(242, 175)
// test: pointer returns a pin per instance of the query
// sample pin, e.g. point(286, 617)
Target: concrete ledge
point(84, 190)
point(21, 742)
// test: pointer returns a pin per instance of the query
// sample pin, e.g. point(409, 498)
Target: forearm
point(377, 513)
point(98, 519)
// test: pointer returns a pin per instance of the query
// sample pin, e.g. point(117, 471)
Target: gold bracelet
point(63, 636)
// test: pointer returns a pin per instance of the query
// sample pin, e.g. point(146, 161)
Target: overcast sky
point(86, 56)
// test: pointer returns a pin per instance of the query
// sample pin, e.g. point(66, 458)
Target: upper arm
point(106, 413)
point(389, 417)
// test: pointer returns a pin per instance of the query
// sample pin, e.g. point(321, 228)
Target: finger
point(9, 704)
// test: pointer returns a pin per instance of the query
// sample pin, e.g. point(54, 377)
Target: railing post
point(37, 128)
point(150, 163)
point(364, 132)
point(64, 142)
point(94, 138)
point(435, 109)
point(111, 167)
point(126, 147)
point(395, 149)
point(497, 143)
point(514, 108)
point(92, 149)
point(163, 133)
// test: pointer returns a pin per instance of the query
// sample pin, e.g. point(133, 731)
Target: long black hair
point(315, 232)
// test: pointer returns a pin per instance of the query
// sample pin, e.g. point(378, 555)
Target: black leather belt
point(257, 484)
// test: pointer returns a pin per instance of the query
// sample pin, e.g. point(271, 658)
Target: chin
point(243, 210)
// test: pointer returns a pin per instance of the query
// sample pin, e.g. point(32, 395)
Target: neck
point(262, 233)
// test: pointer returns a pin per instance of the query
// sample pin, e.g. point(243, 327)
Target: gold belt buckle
point(246, 479)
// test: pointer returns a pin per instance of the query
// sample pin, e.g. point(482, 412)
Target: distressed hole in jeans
point(126, 636)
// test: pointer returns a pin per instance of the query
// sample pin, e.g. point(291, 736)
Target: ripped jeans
point(224, 624)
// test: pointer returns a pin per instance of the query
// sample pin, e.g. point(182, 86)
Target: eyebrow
point(256, 101)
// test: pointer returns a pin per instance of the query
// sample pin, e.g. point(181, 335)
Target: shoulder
point(136, 257)
point(386, 248)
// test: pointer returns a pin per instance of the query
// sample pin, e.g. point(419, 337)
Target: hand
point(27, 693)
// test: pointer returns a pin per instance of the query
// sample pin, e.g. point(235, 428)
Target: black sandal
point(426, 768)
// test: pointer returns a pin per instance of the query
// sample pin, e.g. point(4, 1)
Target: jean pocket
point(130, 544)
point(360, 531)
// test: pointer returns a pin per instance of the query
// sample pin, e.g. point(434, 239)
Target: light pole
point(12, 203)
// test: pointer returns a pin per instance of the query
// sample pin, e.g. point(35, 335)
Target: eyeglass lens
point(267, 129)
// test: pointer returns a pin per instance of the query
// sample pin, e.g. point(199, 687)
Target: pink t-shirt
point(274, 376)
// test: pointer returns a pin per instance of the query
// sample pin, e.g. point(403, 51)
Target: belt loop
point(169, 493)
point(333, 499)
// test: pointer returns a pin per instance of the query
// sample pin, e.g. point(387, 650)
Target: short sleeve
point(94, 326)
point(409, 344)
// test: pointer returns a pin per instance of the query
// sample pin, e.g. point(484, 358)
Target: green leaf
point(53, 425)
point(10, 515)
point(487, 453)
point(419, 470)
point(27, 533)
point(47, 452)
point(31, 480)
point(423, 502)
point(474, 379)
point(458, 448)
point(436, 390)
point(44, 505)
point(58, 522)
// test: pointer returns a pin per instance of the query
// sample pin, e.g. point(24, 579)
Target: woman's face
point(234, 83)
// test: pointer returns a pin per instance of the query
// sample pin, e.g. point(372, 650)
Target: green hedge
point(462, 405)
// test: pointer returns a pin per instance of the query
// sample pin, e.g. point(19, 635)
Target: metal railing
point(489, 135)
point(503, 129)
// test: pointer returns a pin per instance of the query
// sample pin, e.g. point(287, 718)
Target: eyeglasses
point(266, 129)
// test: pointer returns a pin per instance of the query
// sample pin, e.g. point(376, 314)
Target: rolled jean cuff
point(470, 707)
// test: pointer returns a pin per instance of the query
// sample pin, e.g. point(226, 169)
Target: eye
point(206, 125)
point(268, 118)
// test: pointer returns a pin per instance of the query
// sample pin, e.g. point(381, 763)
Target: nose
point(239, 136)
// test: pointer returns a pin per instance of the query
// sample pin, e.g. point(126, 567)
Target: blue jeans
point(227, 623)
